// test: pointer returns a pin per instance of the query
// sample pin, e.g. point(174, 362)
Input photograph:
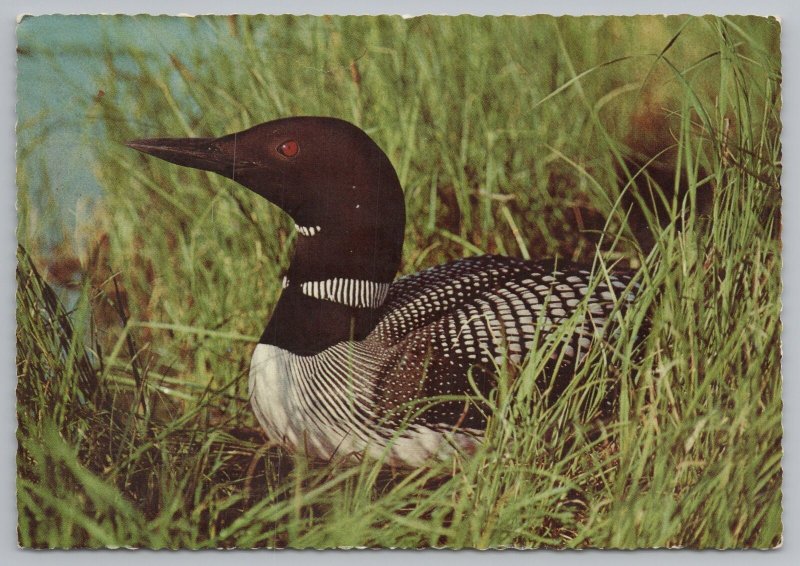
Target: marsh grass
point(514, 136)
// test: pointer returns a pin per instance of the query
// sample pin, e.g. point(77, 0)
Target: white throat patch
point(308, 230)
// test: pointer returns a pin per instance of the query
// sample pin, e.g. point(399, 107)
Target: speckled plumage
point(411, 372)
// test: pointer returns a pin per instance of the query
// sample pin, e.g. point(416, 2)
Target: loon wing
point(444, 332)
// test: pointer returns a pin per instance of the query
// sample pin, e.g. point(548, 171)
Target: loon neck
point(337, 281)
point(354, 252)
point(305, 324)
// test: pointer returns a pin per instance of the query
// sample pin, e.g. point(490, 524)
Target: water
point(61, 74)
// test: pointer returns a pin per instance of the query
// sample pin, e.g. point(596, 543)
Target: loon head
point(335, 182)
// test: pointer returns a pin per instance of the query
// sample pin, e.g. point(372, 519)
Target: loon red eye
point(289, 148)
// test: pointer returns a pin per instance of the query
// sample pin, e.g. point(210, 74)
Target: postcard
point(399, 282)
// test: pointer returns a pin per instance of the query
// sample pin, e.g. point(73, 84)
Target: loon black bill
point(208, 154)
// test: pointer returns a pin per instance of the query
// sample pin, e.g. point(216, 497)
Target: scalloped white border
point(788, 12)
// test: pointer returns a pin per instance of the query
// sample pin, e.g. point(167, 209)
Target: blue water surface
point(62, 71)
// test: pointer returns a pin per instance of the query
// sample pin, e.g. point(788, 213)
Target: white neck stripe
point(351, 292)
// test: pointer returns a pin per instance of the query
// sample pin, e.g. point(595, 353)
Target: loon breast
point(325, 406)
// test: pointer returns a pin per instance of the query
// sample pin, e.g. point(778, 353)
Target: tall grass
point(517, 136)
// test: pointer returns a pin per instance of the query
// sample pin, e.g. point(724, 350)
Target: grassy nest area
point(649, 143)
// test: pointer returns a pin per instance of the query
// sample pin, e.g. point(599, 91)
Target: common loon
point(354, 361)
